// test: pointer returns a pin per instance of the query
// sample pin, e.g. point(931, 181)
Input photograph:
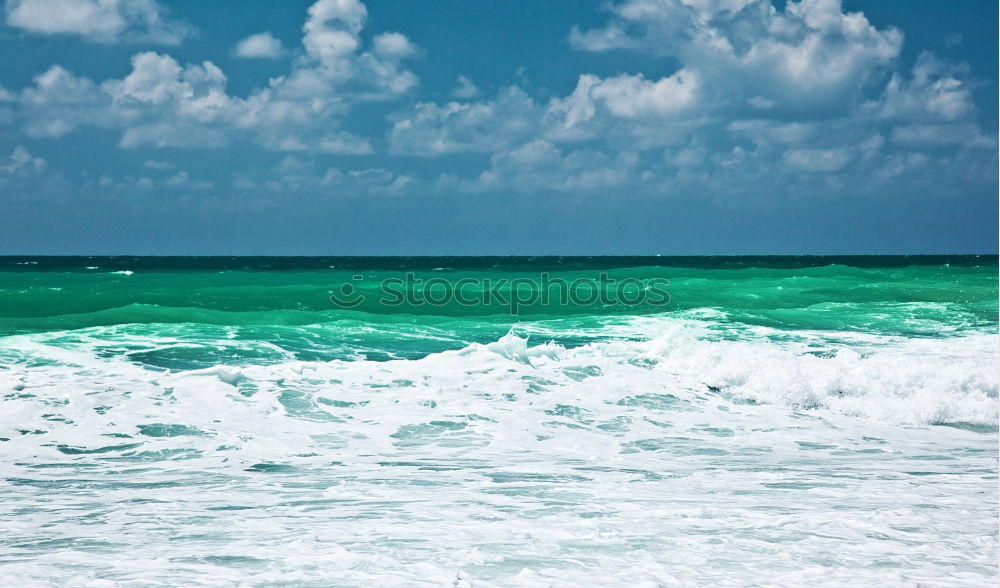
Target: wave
point(907, 300)
point(526, 461)
point(888, 380)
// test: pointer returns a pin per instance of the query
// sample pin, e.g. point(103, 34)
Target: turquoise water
point(211, 421)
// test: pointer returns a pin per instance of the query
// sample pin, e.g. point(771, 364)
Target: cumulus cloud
point(585, 112)
point(938, 135)
point(371, 181)
point(259, 46)
point(158, 165)
point(297, 175)
point(456, 127)
point(634, 97)
point(758, 91)
point(624, 109)
point(183, 180)
point(752, 93)
point(935, 90)
point(739, 59)
point(627, 110)
point(23, 177)
point(465, 89)
point(332, 41)
point(178, 182)
point(394, 45)
point(932, 106)
point(538, 165)
point(60, 101)
point(817, 160)
point(344, 143)
point(809, 57)
point(21, 162)
point(100, 21)
point(162, 103)
point(331, 31)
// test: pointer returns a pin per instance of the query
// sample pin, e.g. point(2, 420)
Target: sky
point(395, 127)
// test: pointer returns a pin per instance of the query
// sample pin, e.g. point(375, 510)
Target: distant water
point(219, 421)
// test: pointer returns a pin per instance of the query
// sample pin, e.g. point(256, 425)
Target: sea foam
point(661, 453)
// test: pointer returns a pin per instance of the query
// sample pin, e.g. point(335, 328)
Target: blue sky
point(516, 127)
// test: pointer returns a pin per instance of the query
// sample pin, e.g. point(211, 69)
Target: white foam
point(913, 381)
point(662, 456)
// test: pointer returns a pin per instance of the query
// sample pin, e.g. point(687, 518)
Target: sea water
point(221, 421)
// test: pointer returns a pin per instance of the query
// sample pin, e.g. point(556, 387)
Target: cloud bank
point(99, 21)
point(807, 98)
point(162, 103)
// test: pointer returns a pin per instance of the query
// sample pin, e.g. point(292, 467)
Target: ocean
point(498, 421)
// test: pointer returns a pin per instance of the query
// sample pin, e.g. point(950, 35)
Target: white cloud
point(871, 144)
point(60, 101)
point(932, 107)
point(627, 109)
point(760, 103)
point(331, 31)
point(162, 103)
point(21, 162)
point(179, 181)
point(182, 180)
point(938, 135)
point(686, 157)
point(806, 62)
point(809, 57)
point(532, 155)
point(756, 92)
point(431, 129)
point(101, 21)
point(465, 89)
point(394, 45)
point(540, 166)
point(634, 97)
point(935, 91)
point(260, 46)
point(344, 143)
point(157, 80)
point(770, 132)
point(367, 181)
point(302, 175)
point(624, 106)
point(157, 164)
point(817, 160)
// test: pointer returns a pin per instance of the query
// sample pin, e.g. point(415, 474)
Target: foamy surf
point(505, 452)
point(698, 446)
